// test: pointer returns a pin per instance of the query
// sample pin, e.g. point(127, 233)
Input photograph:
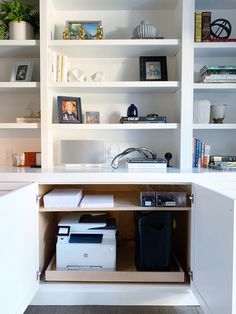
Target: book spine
point(198, 27)
point(223, 158)
point(219, 72)
point(207, 155)
point(206, 26)
point(220, 77)
point(59, 68)
point(64, 68)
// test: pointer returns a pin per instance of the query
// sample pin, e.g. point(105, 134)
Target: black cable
point(141, 150)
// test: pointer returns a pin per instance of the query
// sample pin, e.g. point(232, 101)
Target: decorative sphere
point(221, 28)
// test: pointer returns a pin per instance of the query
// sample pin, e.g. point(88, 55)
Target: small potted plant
point(18, 20)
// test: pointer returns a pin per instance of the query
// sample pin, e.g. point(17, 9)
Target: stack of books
point(202, 26)
point(218, 74)
point(58, 67)
point(200, 154)
point(225, 163)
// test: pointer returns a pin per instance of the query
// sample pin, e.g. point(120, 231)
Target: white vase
point(201, 111)
point(20, 30)
point(145, 30)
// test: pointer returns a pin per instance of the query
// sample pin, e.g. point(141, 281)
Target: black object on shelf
point(168, 157)
point(153, 234)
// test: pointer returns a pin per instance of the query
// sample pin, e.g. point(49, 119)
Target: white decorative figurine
point(76, 75)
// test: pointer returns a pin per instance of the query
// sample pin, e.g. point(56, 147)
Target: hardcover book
point(198, 27)
point(206, 26)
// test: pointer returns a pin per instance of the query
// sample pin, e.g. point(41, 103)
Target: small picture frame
point(69, 109)
point(84, 29)
point(153, 69)
point(92, 117)
point(22, 71)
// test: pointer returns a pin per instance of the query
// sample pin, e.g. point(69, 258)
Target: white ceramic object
point(97, 76)
point(201, 111)
point(218, 113)
point(145, 30)
point(20, 30)
point(76, 75)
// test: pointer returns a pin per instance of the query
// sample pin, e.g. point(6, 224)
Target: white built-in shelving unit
point(15, 97)
point(117, 55)
point(220, 137)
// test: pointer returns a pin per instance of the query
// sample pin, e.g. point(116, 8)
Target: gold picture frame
point(80, 30)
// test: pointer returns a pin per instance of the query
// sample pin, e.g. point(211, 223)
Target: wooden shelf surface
point(124, 201)
point(125, 271)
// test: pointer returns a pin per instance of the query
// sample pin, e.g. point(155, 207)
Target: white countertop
point(103, 175)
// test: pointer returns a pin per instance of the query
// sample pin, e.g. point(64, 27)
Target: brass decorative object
point(81, 34)
point(66, 33)
point(99, 34)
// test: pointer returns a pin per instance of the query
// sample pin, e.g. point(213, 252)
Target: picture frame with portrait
point(69, 110)
point(153, 69)
point(22, 71)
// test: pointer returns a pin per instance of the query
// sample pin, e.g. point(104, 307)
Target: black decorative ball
point(221, 29)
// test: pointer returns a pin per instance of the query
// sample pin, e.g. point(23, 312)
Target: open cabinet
point(127, 202)
point(211, 235)
point(213, 243)
point(19, 249)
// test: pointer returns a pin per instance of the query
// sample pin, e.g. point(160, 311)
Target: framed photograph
point(85, 29)
point(22, 71)
point(92, 117)
point(69, 109)
point(153, 69)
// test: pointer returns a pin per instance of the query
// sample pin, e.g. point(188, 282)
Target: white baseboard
point(114, 294)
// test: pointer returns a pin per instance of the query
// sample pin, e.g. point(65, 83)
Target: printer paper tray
point(126, 272)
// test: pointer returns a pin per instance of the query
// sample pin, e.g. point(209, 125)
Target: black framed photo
point(153, 69)
point(69, 109)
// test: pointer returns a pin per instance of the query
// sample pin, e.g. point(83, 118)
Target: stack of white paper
point(60, 198)
point(97, 201)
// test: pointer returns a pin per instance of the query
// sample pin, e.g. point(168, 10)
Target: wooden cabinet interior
point(124, 214)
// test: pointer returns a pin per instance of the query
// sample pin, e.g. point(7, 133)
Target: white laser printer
point(86, 241)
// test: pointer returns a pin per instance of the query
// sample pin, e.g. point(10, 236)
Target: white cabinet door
point(19, 259)
point(213, 250)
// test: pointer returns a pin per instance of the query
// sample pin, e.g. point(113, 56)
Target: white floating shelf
point(22, 126)
point(91, 5)
point(118, 126)
point(215, 49)
point(114, 87)
point(19, 48)
point(116, 48)
point(18, 87)
point(214, 87)
point(211, 126)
